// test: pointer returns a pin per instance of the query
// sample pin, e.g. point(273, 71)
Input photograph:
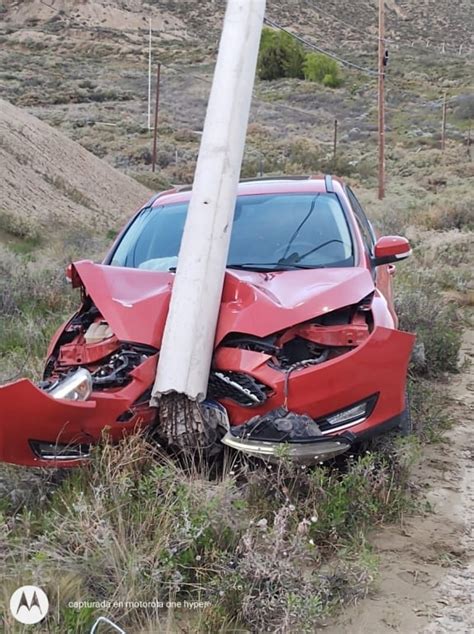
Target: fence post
point(155, 129)
point(443, 124)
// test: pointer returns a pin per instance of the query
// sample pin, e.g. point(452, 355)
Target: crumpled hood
point(264, 303)
point(135, 302)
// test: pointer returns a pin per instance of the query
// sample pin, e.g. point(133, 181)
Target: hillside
point(82, 67)
point(50, 181)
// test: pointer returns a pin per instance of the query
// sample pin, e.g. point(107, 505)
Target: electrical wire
point(324, 12)
point(397, 44)
point(341, 60)
point(257, 100)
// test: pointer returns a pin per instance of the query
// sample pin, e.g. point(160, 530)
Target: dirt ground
point(426, 571)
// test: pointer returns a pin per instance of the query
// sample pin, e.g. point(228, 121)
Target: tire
point(405, 426)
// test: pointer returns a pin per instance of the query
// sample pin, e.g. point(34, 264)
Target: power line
point(324, 12)
point(409, 43)
point(345, 62)
point(257, 100)
point(446, 48)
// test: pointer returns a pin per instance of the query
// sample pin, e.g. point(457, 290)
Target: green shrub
point(280, 56)
point(15, 225)
point(322, 69)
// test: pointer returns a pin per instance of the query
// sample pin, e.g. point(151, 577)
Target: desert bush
point(322, 69)
point(305, 154)
point(465, 107)
point(185, 135)
point(423, 310)
point(429, 411)
point(339, 165)
point(458, 214)
point(279, 56)
point(156, 181)
point(19, 227)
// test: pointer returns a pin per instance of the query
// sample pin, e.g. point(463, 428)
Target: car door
point(382, 274)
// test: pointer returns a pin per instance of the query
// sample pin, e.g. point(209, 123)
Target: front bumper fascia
point(311, 451)
point(30, 415)
point(317, 450)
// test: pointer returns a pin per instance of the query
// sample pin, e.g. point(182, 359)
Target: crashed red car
point(307, 351)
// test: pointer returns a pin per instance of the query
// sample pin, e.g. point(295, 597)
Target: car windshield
point(269, 232)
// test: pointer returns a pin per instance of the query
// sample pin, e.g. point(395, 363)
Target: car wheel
point(406, 422)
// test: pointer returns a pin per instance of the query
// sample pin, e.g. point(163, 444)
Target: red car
point(307, 352)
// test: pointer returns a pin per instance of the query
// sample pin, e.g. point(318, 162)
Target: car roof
point(263, 185)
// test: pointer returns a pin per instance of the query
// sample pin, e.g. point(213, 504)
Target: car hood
point(135, 302)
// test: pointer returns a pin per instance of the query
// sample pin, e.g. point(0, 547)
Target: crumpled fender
point(28, 413)
point(378, 365)
point(25, 409)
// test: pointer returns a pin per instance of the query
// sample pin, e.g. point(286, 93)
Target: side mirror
point(390, 249)
point(69, 273)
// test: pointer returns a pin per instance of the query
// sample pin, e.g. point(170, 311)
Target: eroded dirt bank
point(426, 579)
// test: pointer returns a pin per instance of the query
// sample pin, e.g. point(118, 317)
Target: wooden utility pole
point(155, 129)
point(381, 100)
point(443, 124)
point(334, 149)
point(149, 76)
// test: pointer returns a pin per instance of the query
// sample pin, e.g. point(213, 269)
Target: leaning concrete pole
point(187, 347)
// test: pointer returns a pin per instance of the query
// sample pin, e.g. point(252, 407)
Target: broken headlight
point(75, 387)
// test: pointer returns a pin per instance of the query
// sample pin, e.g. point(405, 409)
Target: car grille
point(239, 387)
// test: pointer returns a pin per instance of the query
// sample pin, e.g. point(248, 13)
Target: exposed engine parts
point(310, 343)
point(88, 342)
point(115, 372)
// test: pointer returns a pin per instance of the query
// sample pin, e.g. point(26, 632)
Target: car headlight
point(76, 387)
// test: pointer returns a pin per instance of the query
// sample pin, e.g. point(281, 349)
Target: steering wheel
point(299, 247)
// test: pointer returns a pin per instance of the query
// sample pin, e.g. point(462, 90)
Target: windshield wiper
point(270, 266)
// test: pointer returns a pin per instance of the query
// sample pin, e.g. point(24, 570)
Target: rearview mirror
point(390, 249)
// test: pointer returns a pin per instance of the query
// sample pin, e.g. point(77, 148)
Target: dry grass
point(275, 548)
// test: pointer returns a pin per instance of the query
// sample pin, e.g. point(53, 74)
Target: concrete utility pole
point(334, 147)
point(155, 127)
point(188, 341)
point(443, 123)
point(381, 100)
